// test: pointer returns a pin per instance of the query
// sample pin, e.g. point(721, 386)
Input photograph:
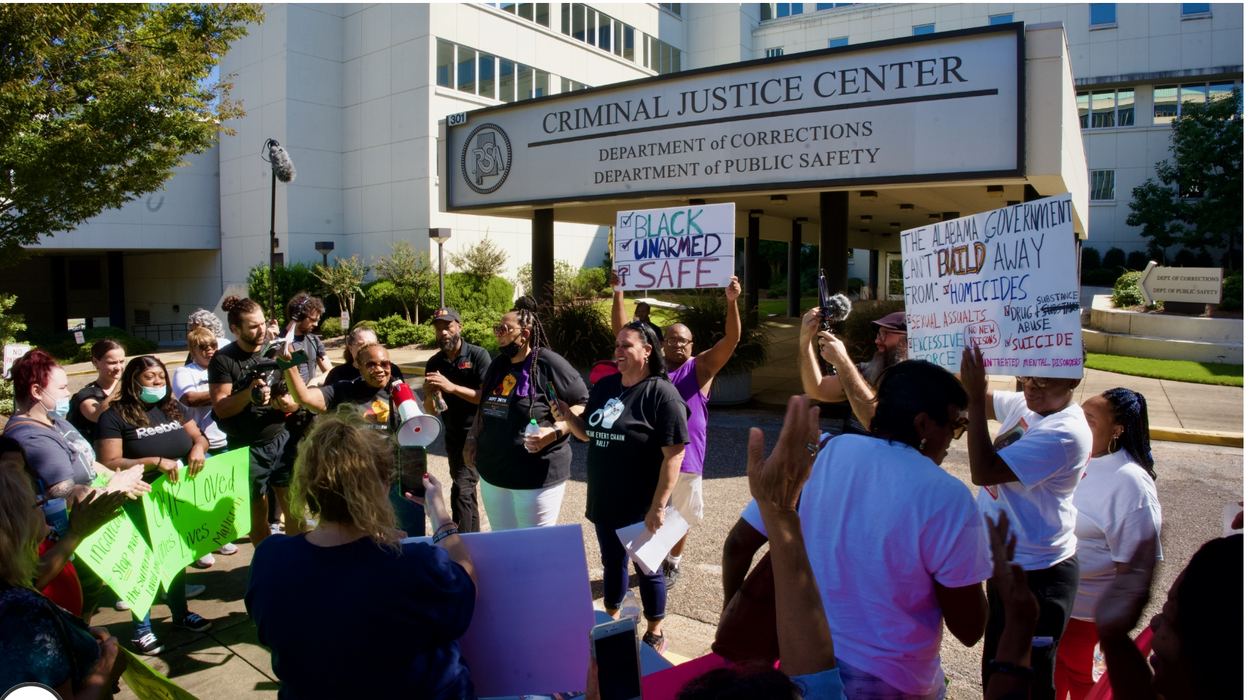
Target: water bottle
point(439, 402)
point(631, 605)
point(530, 433)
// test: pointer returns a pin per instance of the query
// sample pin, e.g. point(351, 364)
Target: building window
point(1103, 109)
point(1195, 10)
point(1101, 14)
point(445, 63)
point(488, 76)
point(675, 8)
point(628, 43)
point(1169, 100)
point(506, 82)
point(786, 9)
point(569, 85)
point(773, 53)
point(604, 32)
point(921, 29)
point(1102, 185)
point(661, 57)
point(478, 73)
point(836, 43)
point(537, 12)
point(466, 70)
point(1000, 19)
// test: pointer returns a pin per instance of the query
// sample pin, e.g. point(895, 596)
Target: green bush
point(593, 282)
point(854, 284)
point(1091, 259)
point(578, 331)
point(66, 350)
point(706, 319)
point(394, 331)
point(10, 326)
point(1101, 277)
point(1114, 258)
point(331, 327)
point(1231, 293)
point(478, 328)
point(1137, 260)
point(1185, 258)
point(470, 295)
point(291, 279)
point(1127, 291)
point(379, 300)
point(858, 332)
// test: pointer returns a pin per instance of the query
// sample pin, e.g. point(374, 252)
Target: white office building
point(358, 94)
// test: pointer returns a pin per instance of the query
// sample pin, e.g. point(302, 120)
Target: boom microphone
point(838, 308)
point(281, 163)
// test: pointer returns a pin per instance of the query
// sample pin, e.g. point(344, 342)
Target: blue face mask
point(62, 407)
point(152, 394)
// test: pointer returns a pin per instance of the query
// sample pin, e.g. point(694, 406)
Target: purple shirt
point(684, 379)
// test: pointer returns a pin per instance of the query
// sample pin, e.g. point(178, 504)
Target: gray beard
point(449, 345)
point(874, 368)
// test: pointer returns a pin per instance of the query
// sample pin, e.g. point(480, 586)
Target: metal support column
point(752, 265)
point(833, 244)
point(60, 298)
point(542, 254)
point(116, 289)
point(793, 269)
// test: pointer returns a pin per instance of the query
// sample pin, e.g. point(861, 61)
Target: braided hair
point(656, 363)
point(527, 318)
point(1129, 411)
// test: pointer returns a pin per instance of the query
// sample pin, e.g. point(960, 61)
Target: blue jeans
point(177, 606)
point(859, 685)
point(614, 558)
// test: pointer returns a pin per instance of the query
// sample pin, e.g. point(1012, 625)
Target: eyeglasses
point(1040, 382)
point(204, 347)
point(501, 329)
point(959, 425)
point(374, 364)
point(678, 342)
point(884, 333)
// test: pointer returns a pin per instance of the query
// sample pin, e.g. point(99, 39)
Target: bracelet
point(443, 535)
point(1007, 668)
point(449, 524)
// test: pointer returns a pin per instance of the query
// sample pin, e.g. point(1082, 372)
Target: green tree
point(98, 103)
point(343, 279)
point(484, 259)
point(410, 272)
point(1199, 203)
point(775, 255)
point(10, 326)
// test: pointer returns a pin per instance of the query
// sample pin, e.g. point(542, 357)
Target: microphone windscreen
point(838, 308)
point(281, 163)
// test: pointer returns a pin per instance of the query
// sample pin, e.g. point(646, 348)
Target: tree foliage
point(343, 279)
point(411, 274)
point(98, 103)
point(10, 326)
point(1199, 201)
point(484, 258)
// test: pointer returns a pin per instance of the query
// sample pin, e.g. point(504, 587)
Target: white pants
point(511, 509)
point(688, 497)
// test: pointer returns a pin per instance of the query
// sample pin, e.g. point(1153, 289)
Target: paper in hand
point(649, 549)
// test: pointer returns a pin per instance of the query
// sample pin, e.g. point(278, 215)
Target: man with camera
point(249, 414)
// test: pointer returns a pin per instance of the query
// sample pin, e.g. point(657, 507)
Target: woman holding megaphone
point(375, 395)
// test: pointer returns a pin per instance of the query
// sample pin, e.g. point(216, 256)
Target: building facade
point(356, 94)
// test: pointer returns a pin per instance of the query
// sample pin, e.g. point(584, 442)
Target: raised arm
point(985, 465)
point(618, 316)
point(309, 398)
point(815, 385)
point(859, 394)
point(711, 361)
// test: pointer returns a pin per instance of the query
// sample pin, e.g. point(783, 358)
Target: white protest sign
point(649, 549)
point(1005, 281)
point(676, 248)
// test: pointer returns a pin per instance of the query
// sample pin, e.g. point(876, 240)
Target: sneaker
point(192, 590)
point(194, 623)
point(657, 642)
point(147, 645)
point(228, 549)
point(120, 606)
point(204, 562)
point(671, 572)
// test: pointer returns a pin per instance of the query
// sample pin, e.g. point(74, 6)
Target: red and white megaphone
point(418, 429)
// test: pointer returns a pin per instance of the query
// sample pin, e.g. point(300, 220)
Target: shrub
point(291, 279)
point(706, 319)
point(331, 327)
point(478, 327)
point(1137, 260)
point(592, 282)
point(858, 332)
point(778, 288)
point(1185, 258)
point(1091, 259)
point(66, 350)
point(379, 299)
point(854, 284)
point(1231, 293)
point(1203, 259)
point(578, 331)
point(1127, 291)
point(565, 277)
point(394, 331)
point(1102, 277)
point(1114, 258)
point(10, 326)
point(471, 295)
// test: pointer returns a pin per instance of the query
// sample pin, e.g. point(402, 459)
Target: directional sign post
point(1195, 285)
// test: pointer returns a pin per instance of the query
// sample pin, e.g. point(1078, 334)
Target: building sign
point(943, 106)
point(676, 248)
point(1005, 281)
point(1197, 285)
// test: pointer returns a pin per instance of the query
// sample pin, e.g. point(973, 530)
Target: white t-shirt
point(1048, 454)
point(1117, 508)
point(881, 524)
point(192, 377)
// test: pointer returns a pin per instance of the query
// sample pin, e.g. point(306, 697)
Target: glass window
point(628, 43)
point(526, 11)
point(542, 14)
point(1195, 94)
point(676, 60)
point(445, 63)
point(1082, 108)
point(824, 6)
point(836, 43)
point(675, 7)
point(566, 84)
point(767, 11)
point(566, 18)
point(1221, 91)
point(507, 81)
point(646, 40)
point(784, 9)
point(577, 22)
point(604, 32)
point(1001, 19)
point(922, 29)
point(664, 58)
point(525, 82)
point(1194, 8)
point(1124, 108)
point(542, 84)
point(1102, 185)
point(618, 38)
point(797, 8)
point(1166, 107)
point(1102, 107)
point(1101, 13)
point(466, 69)
point(772, 53)
point(488, 81)
point(507, 7)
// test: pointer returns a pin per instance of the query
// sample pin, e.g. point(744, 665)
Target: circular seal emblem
point(485, 159)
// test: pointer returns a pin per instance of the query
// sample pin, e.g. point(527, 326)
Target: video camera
point(266, 369)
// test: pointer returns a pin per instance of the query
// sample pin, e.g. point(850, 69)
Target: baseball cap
point(446, 314)
point(897, 321)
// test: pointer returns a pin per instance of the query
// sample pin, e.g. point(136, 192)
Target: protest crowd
point(872, 546)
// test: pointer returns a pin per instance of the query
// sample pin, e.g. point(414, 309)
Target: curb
point(1199, 437)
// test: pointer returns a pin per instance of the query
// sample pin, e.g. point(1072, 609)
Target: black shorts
point(268, 468)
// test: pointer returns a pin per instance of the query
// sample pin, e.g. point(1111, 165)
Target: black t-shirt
point(314, 347)
point(163, 437)
point(373, 404)
point(655, 328)
point(347, 373)
point(467, 370)
point(75, 417)
point(627, 427)
point(501, 458)
point(253, 425)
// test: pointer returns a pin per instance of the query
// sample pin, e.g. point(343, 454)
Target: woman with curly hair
point(1117, 509)
point(146, 427)
point(409, 603)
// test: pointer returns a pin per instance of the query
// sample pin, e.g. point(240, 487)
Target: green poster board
point(149, 684)
point(119, 555)
point(193, 517)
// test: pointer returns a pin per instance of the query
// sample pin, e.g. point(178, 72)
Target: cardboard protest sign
point(196, 516)
point(119, 555)
point(677, 248)
point(1005, 281)
point(149, 684)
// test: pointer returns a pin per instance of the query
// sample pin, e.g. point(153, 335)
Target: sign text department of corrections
point(917, 109)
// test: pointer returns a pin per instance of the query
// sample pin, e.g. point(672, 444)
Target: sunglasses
point(374, 364)
point(1040, 382)
point(501, 329)
point(959, 425)
point(204, 347)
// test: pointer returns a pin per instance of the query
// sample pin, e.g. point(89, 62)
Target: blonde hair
point(199, 335)
point(20, 523)
point(342, 476)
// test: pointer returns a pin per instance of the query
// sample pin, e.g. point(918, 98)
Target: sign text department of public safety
point(946, 106)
